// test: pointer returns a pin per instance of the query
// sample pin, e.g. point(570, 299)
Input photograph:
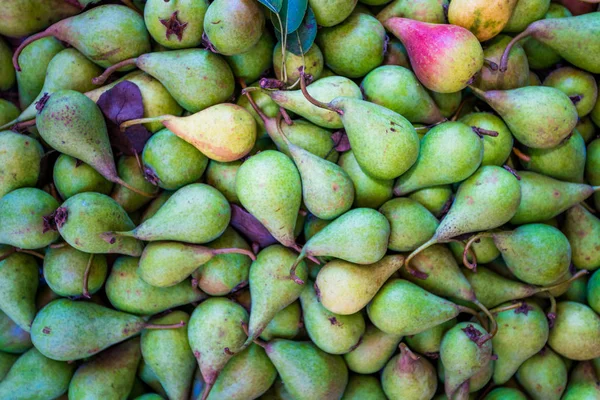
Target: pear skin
point(20, 158)
point(575, 334)
point(408, 375)
point(582, 229)
point(374, 350)
point(18, 285)
point(543, 375)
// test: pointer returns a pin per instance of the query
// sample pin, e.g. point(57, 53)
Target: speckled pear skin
point(71, 176)
point(306, 371)
point(363, 387)
point(543, 375)
point(403, 308)
point(129, 170)
point(346, 288)
point(537, 254)
point(247, 375)
point(543, 198)
point(409, 375)
point(215, 333)
point(25, 18)
point(20, 157)
point(493, 289)
point(376, 148)
point(66, 330)
point(496, 150)
point(110, 374)
point(267, 182)
point(583, 383)
point(22, 213)
point(373, 351)
point(428, 342)
point(271, 288)
point(36, 376)
point(368, 192)
point(582, 229)
point(13, 339)
point(576, 331)
point(325, 90)
point(411, 223)
point(522, 333)
point(574, 82)
point(18, 286)
point(485, 250)
point(196, 213)
point(331, 332)
point(461, 356)
point(168, 353)
point(90, 214)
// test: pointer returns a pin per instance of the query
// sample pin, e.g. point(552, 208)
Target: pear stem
point(578, 275)
point(415, 272)
point(311, 99)
point(19, 126)
point(133, 189)
point(260, 113)
point(520, 155)
point(421, 128)
point(286, 116)
point(280, 131)
point(473, 313)
point(137, 121)
point(484, 132)
point(31, 252)
point(492, 66)
point(30, 39)
point(493, 323)
point(498, 310)
point(58, 245)
point(99, 80)
point(504, 59)
point(180, 324)
point(588, 207)
point(8, 254)
point(460, 107)
point(86, 276)
point(236, 251)
point(551, 314)
point(475, 238)
point(293, 275)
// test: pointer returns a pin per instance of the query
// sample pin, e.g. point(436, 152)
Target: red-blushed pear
point(444, 57)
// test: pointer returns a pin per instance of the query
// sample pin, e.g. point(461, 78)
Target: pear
point(543, 375)
point(7, 74)
point(374, 350)
point(20, 157)
point(221, 176)
point(331, 332)
point(285, 324)
point(106, 35)
point(34, 376)
point(345, 288)
point(576, 331)
point(428, 342)
point(408, 376)
point(271, 288)
point(396, 54)
point(432, 11)
point(459, 55)
point(485, 250)
point(484, 19)
point(582, 229)
point(251, 65)
point(436, 199)
point(324, 90)
point(538, 116)
point(560, 34)
point(398, 89)
point(175, 25)
point(13, 339)
point(311, 62)
point(110, 375)
point(593, 299)
point(592, 164)
point(359, 236)
point(363, 387)
point(462, 355)
point(268, 186)
point(526, 326)
point(215, 334)
point(148, 376)
point(196, 213)
point(178, 71)
point(129, 169)
point(586, 128)
point(6, 362)
point(448, 103)
point(579, 85)
point(543, 198)
point(505, 393)
point(517, 73)
point(72, 176)
point(368, 192)
point(306, 371)
point(168, 353)
point(452, 149)
point(583, 383)
point(183, 260)
point(70, 272)
point(18, 283)
point(8, 111)
point(26, 18)
point(524, 13)
point(24, 216)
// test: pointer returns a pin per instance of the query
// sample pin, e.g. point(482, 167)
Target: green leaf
point(273, 5)
point(303, 38)
point(291, 14)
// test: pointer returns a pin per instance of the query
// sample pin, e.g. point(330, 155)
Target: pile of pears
point(389, 199)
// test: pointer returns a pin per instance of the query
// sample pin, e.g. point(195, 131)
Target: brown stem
point(588, 207)
point(480, 131)
point(504, 59)
point(493, 323)
point(311, 258)
point(260, 113)
point(473, 313)
point(415, 272)
point(30, 39)
point(578, 275)
point(460, 107)
point(498, 310)
point(133, 189)
point(311, 99)
point(492, 66)
point(420, 128)
point(180, 324)
point(20, 126)
point(8, 254)
point(286, 116)
point(234, 250)
point(472, 266)
point(86, 276)
point(58, 245)
point(520, 155)
point(293, 275)
point(512, 171)
point(138, 121)
point(31, 252)
point(99, 80)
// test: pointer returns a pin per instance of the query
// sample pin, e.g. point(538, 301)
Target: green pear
point(127, 292)
point(522, 333)
point(583, 383)
point(582, 229)
point(448, 103)
point(517, 73)
point(346, 288)
point(13, 339)
point(82, 218)
point(130, 171)
point(495, 149)
point(285, 324)
point(18, 285)
point(156, 204)
point(268, 186)
point(593, 299)
point(436, 199)
point(575, 334)
point(325, 90)
point(450, 149)
point(148, 376)
point(196, 213)
point(543, 375)
point(411, 223)
point(168, 353)
point(7, 70)
point(271, 288)
point(221, 176)
point(579, 85)
point(24, 216)
point(485, 250)
point(175, 25)
point(67, 270)
point(307, 371)
point(470, 387)
point(577, 291)
point(34, 376)
point(374, 350)
point(485, 20)
point(25, 18)
point(462, 355)
point(543, 198)
point(586, 128)
point(311, 62)
point(20, 157)
point(8, 111)
point(6, 362)
point(368, 192)
point(505, 393)
point(526, 12)
point(251, 65)
point(409, 376)
point(592, 164)
point(215, 334)
point(421, 10)
point(72, 176)
point(109, 375)
point(331, 332)
point(428, 342)
point(263, 102)
point(396, 54)
point(363, 387)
